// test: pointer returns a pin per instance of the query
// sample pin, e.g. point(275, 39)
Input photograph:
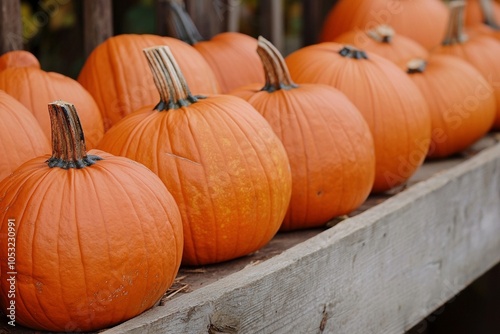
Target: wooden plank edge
point(382, 271)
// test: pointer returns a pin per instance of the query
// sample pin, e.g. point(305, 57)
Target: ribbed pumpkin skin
point(118, 77)
point(422, 20)
point(21, 137)
point(94, 246)
point(482, 52)
point(461, 103)
point(329, 146)
point(392, 105)
point(400, 50)
point(18, 58)
point(233, 59)
point(226, 169)
point(35, 88)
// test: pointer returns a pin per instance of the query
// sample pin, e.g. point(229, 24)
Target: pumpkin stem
point(277, 74)
point(416, 66)
point(350, 51)
point(382, 33)
point(68, 141)
point(455, 33)
point(180, 25)
point(169, 80)
point(489, 14)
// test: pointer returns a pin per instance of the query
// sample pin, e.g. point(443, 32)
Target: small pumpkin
point(222, 162)
point(231, 55)
point(422, 20)
point(327, 141)
point(479, 50)
point(396, 111)
point(383, 41)
point(461, 102)
point(117, 75)
point(98, 237)
point(21, 137)
point(35, 88)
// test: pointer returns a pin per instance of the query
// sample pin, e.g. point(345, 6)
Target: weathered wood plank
point(11, 33)
point(98, 23)
point(380, 272)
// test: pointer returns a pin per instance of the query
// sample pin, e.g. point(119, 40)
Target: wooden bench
point(382, 270)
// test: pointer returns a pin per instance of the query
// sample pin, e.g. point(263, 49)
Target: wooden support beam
point(98, 23)
point(11, 33)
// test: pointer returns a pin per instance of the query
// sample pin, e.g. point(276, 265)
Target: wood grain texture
point(11, 37)
point(98, 23)
point(380, 272)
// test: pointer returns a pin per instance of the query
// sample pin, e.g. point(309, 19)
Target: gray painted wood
point(11, 37)
point(382, 271)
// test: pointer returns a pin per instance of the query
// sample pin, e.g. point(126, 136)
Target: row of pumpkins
point(240, 145)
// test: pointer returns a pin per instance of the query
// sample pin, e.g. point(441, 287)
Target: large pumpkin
point(391, 103)
point(118, 77)
point(384, 41)
point(461, 102)
point(481, 11)
point(98, 238)
point(479, 50)
point(482, 16)
point(328, 142)
point(221, 160)
point(231, 55)
point(21, 137)
point(23, 79)
point(422, 20)
point(18, 59)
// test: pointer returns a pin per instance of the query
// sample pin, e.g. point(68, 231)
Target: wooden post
point(314, 13)
point(98, 23)
point(11, 33)
point(272, 22)
point(210, 17)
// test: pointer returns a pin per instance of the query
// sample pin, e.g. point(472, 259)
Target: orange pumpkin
point(98, 238)
point(479, 50)
point(34, 88)
point(19, 58)
point(422, 20)
point(21, 137)
point(461, 102)
point(485, 15)
point(391, 103)
point(383, 40)
point(231, 55)
point(117, 75)
point(328, 142)
point(481, 11)
point(221, 160)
